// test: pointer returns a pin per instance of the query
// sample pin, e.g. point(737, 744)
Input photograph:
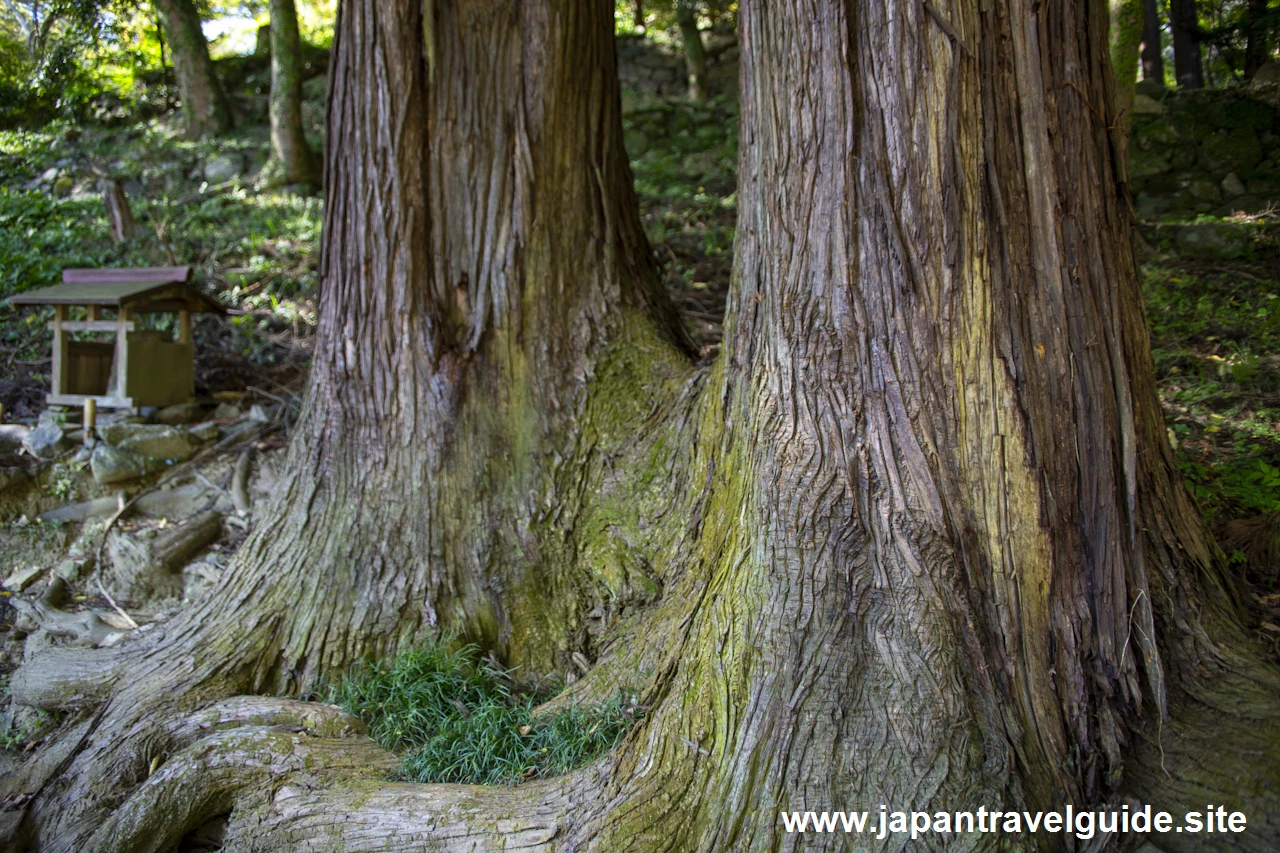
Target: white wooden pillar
point(59, 367)
point(122, 351)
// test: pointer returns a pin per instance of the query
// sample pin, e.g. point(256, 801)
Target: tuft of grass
point(455, 717)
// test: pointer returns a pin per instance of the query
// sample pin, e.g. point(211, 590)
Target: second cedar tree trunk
point(1188, 68)
point(1152, 53)
point(205, 108)
point(695, 56)
point(915, 538)
point(1260, 36)
point(1125, 36)
point(288, 142)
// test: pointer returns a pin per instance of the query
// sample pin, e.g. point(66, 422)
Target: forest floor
point(1215, 326)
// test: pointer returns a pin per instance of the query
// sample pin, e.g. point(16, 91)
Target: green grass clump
point(454, 717)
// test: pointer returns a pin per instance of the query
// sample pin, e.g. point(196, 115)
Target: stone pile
point(125, 448)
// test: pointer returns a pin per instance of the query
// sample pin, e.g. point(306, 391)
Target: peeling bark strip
point(916, 538)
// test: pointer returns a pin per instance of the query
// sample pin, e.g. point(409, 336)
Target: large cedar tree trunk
point(1260, 36)
point(915, 538)
point(1152, 52)
point(288, 142)
point(205, 108)
point(1184, 23)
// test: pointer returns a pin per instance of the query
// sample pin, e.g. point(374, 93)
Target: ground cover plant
point(454, 715)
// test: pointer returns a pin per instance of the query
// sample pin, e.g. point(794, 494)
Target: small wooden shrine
point(140, 367)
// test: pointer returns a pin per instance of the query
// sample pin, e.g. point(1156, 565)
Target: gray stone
point(1151, 88)
point(183, 413)
point(1264, 187)
point(1267, 74)
point(226, 410)
point(46, 441)
point(69, 570)
point(636, 143)
point(1204, 188)
point(11, 436)
point(10, 477)
point(1245, 204)
point(1232, 186)
point(59, 416)
point(84, 511)
point(1155, 132)
point(1149, 206)
point(1145, 105)
point(1143, 164)
point(221, 168)
point(1230, 151)
point(161, 442)
point(158, 440)
point(112, 464)
point(205, 432)
point(22, 578)
point(181, 502)
point(50, 175)
point(1218, 240)
point(1183, 158)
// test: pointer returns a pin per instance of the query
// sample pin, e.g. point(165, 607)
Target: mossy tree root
point(303, 776)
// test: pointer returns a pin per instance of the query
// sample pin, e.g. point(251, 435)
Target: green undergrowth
point(684, 157)
point(252, 247)
point(1215, 338)
point(454, 716)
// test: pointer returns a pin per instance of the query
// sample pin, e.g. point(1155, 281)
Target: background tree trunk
point(1152, 52)
point(288, 142)
point(1184, 23)
point(695, 58)
point(915, 538)
point(205, 108)
point(1259, 31)
point(1126, 39)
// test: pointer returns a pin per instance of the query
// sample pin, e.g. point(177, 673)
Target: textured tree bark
point(205, 108)
point(1184, 23)
point(915, 538)
point(288, 143)
point(1152, 54)
point(695, 58)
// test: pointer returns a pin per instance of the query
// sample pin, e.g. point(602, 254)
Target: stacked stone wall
point(649, 67)
point(1205, 152)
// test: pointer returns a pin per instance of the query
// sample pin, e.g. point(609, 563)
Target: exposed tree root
point(407, 818)
point(206, 779)
point(298, 776)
